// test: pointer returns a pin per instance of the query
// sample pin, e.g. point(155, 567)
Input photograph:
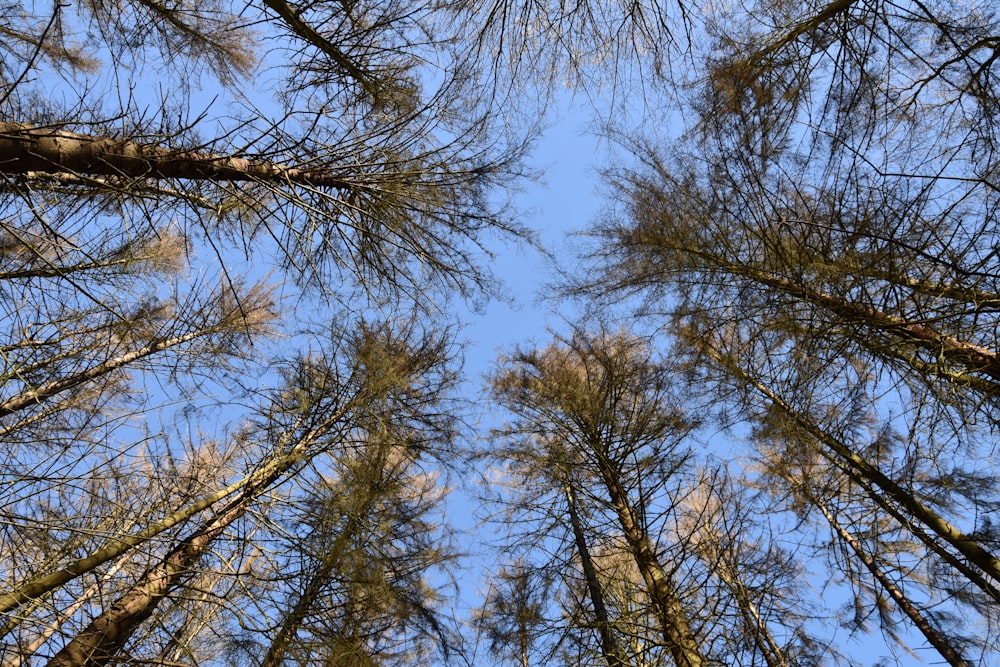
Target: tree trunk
point(844, 457)
point(25, 148)
point(935, 638)
point(609, 646)
point(49, 389)
point(102, 640)
point(968, 356)
point(319, 577)
point(50, 582)
point(680, 638)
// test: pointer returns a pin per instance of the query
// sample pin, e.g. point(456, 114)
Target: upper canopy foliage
point(198, 466)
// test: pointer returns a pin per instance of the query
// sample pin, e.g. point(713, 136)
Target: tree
point(819, 247)
point(144, 452)
point(515, 613)
point(195, 469)
point(571, 411)
point(611, 51)
point(596, 415)
point(363, 543)
point(332, 417)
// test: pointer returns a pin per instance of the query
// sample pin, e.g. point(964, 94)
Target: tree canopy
point(234, 239)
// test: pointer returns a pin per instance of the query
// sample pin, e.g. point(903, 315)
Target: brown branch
point(293, 19)
point(760, 56)
point(40, 394)
point(970, 356)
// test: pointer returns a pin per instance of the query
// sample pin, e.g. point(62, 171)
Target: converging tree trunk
point(919, 618)
point(101, 641)
point(605, 628)
point(678, 634)
point(602, 406)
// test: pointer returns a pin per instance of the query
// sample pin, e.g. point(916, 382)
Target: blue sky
point(565, 199)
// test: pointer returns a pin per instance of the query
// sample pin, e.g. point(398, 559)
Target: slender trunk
point(969, 356)
point(966, 569)
point(768, 647)
point(922, 623)
point(251, 484)
point(320, 576)
point(609, 645)
point(46, 391)
point(293, 620)
point(101, 641)
point(25, 148)
point(810, 24)
point(293, 19)
point(674, 623)
point(852, 463)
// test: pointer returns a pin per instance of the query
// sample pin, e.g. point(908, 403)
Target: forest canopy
point(236, 425)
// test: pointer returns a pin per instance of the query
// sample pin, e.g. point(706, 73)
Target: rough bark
point(25, 148)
